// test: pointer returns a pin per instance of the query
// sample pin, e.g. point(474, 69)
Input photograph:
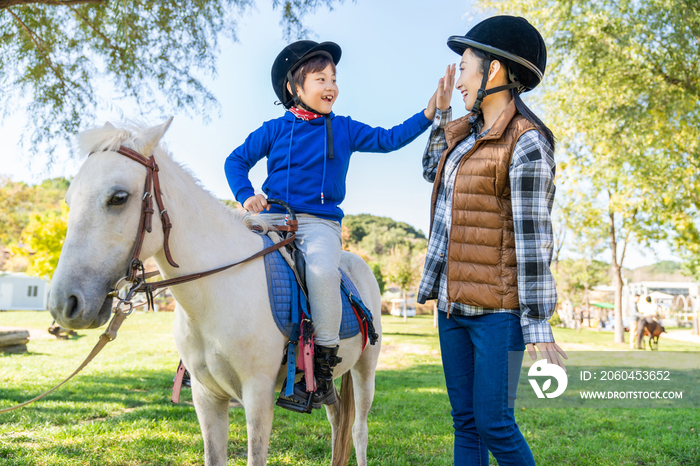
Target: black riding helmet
point(290, 59)
point(511, 40)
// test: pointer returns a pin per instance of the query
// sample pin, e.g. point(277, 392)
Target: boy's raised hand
point(256, 204)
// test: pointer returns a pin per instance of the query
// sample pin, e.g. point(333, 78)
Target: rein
point(135, 265)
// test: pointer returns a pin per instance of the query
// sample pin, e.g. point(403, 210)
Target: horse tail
point(343, 447)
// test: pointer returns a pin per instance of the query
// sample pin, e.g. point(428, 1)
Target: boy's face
point(320, 90)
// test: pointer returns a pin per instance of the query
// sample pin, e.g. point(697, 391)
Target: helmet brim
point(459, 44)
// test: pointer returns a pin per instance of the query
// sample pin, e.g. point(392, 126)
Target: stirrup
point(299, 402)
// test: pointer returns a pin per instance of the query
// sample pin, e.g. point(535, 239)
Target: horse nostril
point(72, 307)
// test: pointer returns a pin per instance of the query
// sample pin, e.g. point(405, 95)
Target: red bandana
point(304, 114)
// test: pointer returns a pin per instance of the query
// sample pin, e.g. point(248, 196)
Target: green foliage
point(18, 201)
point(42, 241)
point(377, 271)
point(401, 267)
point(668, 267)
point(53, 53)
point(555, 321)
point(393, 249)
point(575, 277)
point(231, 204)
point(377, 236)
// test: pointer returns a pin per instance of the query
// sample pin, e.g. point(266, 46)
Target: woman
point(491, 236)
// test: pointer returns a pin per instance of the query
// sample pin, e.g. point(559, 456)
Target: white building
point(21, 292)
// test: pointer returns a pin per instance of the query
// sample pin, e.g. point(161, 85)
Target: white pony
point(224, 329)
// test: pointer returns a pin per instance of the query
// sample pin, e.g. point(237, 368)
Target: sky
point(394, 52)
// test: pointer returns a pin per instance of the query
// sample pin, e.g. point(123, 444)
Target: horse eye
point(119, 198)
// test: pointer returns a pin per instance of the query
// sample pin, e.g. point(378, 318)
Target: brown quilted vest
point(481, 266)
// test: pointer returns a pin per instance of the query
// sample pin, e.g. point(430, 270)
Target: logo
point(542, 369)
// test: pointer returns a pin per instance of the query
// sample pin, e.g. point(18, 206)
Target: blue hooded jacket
point(298, 168)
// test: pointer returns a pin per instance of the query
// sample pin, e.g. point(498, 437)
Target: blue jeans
point(475, 354)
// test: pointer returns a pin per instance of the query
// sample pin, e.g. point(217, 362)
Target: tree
point(53, 53)
point(621, 93)
point(374, 237)
point(18, 200)
point(42, 241)
point(576, 277)
point(402, 269)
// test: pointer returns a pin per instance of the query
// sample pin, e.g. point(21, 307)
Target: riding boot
point(325, 359)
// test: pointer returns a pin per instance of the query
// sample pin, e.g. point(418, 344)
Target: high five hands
point(443, 95)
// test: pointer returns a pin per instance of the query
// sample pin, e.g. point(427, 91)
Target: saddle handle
point(291, 221)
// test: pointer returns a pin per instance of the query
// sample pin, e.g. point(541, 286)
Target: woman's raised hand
point(442, 97)
point(445, 87)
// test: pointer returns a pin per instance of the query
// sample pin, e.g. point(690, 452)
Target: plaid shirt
point(532, 195)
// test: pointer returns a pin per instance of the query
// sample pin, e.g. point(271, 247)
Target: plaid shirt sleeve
point(436, 144)
point(532, 193)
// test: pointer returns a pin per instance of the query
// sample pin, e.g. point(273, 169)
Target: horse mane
point(109, 137)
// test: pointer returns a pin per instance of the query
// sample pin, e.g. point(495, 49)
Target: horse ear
point(149, 138)
point(108, 125)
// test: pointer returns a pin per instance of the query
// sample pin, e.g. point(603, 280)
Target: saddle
point(289, 303)
point(288, 296)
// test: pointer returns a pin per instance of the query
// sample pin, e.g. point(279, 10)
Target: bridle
point(145, 226)
point(139, 284)
point(145, 222)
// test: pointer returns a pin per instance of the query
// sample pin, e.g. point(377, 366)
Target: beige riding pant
point(321, 242)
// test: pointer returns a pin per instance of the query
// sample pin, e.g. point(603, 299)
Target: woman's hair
point(523, 109)
point(312, 65)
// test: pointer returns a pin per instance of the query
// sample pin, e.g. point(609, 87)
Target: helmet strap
point(482, 92)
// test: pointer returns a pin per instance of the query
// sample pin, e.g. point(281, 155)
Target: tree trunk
point(405, 310)
point(618, 283)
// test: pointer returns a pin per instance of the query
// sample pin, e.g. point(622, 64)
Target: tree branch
point(35, 39)
point(98, 32)
point(9, 3)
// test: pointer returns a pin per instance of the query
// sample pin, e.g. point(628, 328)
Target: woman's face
point(470, 77)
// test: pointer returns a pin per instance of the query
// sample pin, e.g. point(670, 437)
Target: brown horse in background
point(650, 326)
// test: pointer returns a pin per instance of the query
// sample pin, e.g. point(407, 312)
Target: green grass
point(117, 411)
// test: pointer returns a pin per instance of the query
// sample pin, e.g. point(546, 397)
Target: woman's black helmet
point(291, 58)
point(510, 39)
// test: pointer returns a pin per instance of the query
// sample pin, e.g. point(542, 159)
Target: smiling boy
point(308, 153)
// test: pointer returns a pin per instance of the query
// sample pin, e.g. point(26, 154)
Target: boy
point(308, 153)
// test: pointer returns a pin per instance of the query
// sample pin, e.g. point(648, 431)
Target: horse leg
point(333, 415)
point(258, 401)
point(363, 385)
point(212, 413)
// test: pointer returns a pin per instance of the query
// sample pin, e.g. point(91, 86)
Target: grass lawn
point(117, 411)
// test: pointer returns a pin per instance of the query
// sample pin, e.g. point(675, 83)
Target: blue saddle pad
point(281, 279)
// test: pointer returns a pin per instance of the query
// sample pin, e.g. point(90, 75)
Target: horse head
point(104, 200)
